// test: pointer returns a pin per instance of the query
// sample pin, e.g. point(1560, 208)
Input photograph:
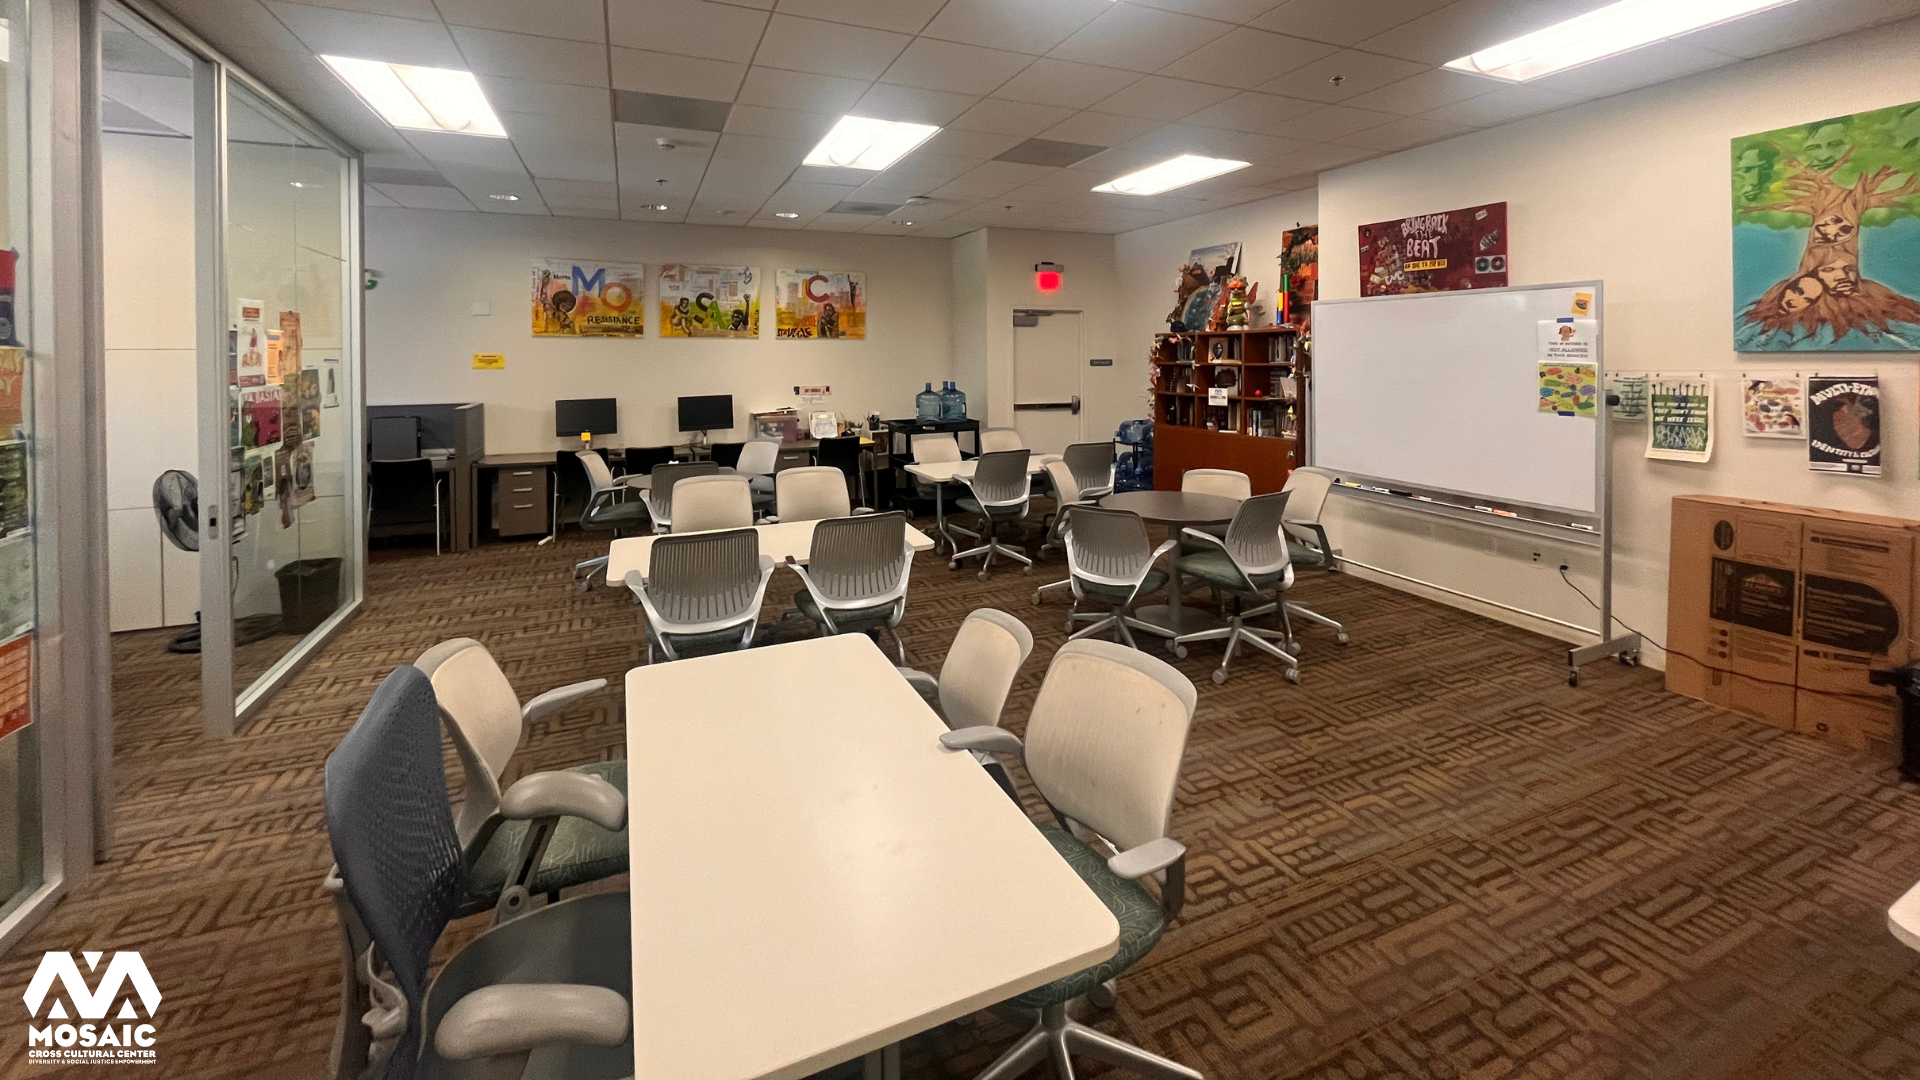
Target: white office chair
point(702, 592)
point(934, 449)
point(1225, 483)
point(1307, 543)
point(977, 676)
point(1066, 492)
point(704, 503)
point(1110, 562)
point(810, 494)
point(999, 494)
point(665, 478)
point(606, 509)
point(1103, 745)
point(1093, 468)
point(1000, 438)
point(757, 461)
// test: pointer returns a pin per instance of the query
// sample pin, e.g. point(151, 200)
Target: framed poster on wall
point(1454, 249)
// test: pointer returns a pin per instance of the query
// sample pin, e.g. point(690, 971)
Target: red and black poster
point(1843, 424)
point(1455, 249)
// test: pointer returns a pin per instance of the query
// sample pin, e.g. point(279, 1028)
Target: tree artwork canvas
point(1826, 235)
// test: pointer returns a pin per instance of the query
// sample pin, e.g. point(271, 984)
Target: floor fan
point(176, 503)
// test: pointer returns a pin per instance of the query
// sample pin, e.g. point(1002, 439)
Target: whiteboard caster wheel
point(1573, 678)
point(1219, 676)
point(1102, 996)
point(1343, 638)
point(1293, 676)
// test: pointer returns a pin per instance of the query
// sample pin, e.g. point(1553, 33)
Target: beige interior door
point(1046, 379)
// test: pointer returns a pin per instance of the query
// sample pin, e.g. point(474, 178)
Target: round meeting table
point(1176, 510)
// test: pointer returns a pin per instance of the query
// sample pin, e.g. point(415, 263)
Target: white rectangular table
point(811, 867)
point(941, 473)
point(777, 541)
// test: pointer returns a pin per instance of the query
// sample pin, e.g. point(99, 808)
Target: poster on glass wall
point(820, 304)
point(709, 301)
point(250, 344)
point(588, 298)
point(260, 417)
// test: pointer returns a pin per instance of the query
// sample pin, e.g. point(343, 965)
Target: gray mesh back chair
point(702, 592)
point(1000, 496)
point(1249, 560)
point(1307, 543)
point(1092, 465)
point(757, 461)
point(1110, 563)
point(705, 503)
point(605, 510)
point(485, 721)
point(977, 676)
point(551, 987)
point(1103, 746)
point(660, 495)
point(855, 580)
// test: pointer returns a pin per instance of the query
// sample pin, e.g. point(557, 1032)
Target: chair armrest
point(1196, 534)
point(1165, 546)
point(517, 1018)
point(1148, 858)
point(919, 680)
point(984, 738)
point(769, 519)
point(559, 697)
point(858, 510)
point(570, 794)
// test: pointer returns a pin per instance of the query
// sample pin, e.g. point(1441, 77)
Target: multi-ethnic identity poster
point(1773, 407)
point(820, 304)
point(1568, 371)
point(709, 301)
point(1455, 249)
point(1680, 420)
point(1843, 424)
point(574, 298)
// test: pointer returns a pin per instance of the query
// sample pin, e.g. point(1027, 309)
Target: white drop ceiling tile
point(960, 143)
point(672, 215)
point(1249, 112)
point(1062, 82)
point(780, 123)
point(568, 149)
point(1246, 58)
point(1030, 196)
point(572, 191)
point(1156, 97)
point(723, 212)
point(1233, 11)
point(799, 196)
point(371, 196)
point(686, 27)
point(540, 59)
point(405, 9)
point(526, 206)
point(1460, 28)
point(406, 157)
point(1424, 92)
point(581, 20)
point(975, 190)
point(759, 151)
point(369, 36)
point(1174, 139)
point(1358, 73)
point(1318, 157)
point(1138, 38)
point(1503, 104)
point(1405, 132)
point(1329, 122)
point(1008, 172)
point(949, 66)
point(1114, 163)
point(1099, 129)
point(1629, 71)
point(827, 174)
point(545, 99)
point(826, 48)
point(251, 22)
point(1343, 22)
point(444, 149)
point(946, 230)
point(425, 198)
point(901, 16)
point(886, 101)
point(1261, 150)
point(805, 91)
point(929, 169)
point(1799, 24)
point(675, 75)
point(840, 222)
point(1007, 118)
point(767, 222)
point(602, 212)
point(1018, 25)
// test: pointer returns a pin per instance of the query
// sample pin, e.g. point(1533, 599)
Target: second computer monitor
point(713, 412)
point(586, 416)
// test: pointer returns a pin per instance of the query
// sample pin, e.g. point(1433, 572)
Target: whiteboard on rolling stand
point(1442, 392)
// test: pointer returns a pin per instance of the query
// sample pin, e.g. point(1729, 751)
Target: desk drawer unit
point(520, 501)
point(792, 459)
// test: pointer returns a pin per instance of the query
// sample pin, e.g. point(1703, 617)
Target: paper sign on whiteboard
point(1216, 395)
point(1566, 341)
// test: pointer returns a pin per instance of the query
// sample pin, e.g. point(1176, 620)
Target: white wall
point(1633, 190)
point(437, 265)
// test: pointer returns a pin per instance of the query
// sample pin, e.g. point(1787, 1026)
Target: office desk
point(777, 541)
point(941, 473)
point(817, 866)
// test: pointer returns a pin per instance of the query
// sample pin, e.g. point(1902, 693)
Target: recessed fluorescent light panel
point(420, 98)
point(857, 142)
point(1179, 172)
point(1607, 31)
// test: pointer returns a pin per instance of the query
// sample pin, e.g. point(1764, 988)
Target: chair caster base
point(1293, 676)
point(1102, 996)
point(982, 575)
point(1342, 638)
point(1177, 649)
point(1219, 676)
point(953, 566)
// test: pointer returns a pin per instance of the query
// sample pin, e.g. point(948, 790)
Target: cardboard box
point(1780, 612)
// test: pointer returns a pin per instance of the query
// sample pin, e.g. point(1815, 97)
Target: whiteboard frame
point(1626, 646)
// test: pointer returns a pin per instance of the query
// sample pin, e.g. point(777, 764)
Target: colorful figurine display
point(1193, 278)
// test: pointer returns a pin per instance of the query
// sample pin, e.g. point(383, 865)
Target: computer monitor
point(393, 438)
point(713, 412)
point(586, 416)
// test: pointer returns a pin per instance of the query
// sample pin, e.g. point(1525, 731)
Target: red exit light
point(1047, 280)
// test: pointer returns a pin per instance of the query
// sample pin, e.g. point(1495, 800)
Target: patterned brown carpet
point(1431, 858)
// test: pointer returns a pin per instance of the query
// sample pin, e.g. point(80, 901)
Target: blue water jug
point(926, 404)
point(953, 403)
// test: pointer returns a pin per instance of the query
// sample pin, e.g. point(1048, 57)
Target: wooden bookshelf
point(1257, 426)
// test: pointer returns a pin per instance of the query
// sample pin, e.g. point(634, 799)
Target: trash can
point(309, 591)
point(1906, 683)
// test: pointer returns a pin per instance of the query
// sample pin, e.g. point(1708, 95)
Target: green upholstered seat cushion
point(618, 514)
point(1139, 914)
point(972, 506)
point(855, 618)
point(1215, 568)
point(579, 852)
point(687, 646)
point(1303, 555)
point(1117, 594)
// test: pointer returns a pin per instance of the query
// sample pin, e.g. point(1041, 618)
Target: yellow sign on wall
point(489, 361)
